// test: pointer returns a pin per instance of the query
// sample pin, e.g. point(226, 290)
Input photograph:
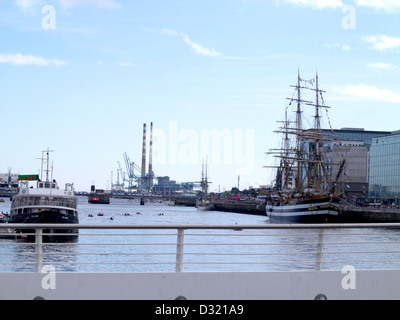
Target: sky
point(81, 77)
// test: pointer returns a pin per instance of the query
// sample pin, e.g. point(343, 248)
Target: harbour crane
point(129, 176)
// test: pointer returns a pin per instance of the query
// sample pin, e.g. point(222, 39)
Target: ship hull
point(205, 208)
point(48, 217)
point(99, 198)
point(320, 210)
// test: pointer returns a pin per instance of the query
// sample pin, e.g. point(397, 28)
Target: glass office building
point(384, 174)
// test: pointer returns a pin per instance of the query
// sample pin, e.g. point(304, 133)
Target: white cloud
point(107, 4)
point(382, 65)
point(371, 92)
point(197, 48)
point(382, 42)
point(126, 64)
point(344, 47)
point(318, 4)
point(28, 5)
point(200, 49)
point(387, 5)
point(390, 6)
point(29, 60)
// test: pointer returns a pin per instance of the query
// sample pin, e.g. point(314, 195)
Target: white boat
point(44, 203)
point(304, 190)
point(204, 205)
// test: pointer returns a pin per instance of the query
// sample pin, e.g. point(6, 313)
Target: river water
point(204, 250)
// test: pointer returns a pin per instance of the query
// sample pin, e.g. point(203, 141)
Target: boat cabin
point(47, 185)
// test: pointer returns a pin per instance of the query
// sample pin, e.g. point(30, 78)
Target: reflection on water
point(204, 250)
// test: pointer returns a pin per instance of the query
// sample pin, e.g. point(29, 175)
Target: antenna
point(47, 163)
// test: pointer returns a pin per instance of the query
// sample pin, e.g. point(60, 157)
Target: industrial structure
point(136, 177)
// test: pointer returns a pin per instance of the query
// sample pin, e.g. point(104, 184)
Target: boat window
point(24, 185)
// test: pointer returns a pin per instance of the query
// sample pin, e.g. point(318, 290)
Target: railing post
point(179, 251)
point(320, 248)
point(38, 250)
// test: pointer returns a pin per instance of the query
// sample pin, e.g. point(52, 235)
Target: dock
point(369, 215)
point(348, 214)
point(240, 207)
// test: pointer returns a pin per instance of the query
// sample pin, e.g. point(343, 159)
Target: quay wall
point(240, 207)
point(369, 215)
point(347, 215)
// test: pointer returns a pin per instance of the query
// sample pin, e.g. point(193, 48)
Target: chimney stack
point(144, 154)
point(151, 158)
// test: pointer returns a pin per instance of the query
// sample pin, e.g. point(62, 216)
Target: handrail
point(317, 244)
point(205, 226)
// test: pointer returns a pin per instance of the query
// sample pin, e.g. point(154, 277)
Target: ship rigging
point(304, 189)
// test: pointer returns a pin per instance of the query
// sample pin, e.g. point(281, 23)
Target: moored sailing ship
point(204, 203)
point(305, 190)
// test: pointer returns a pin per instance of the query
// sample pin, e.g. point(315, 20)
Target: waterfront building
point(357, 134)
point(353, 181)
point(167, 187)
point(354, 144)
point(384, 175)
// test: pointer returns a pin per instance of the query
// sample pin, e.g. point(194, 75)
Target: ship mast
point(298, 121)
point(304, 159)
point(47, 163)
point(316, 180)
point(318, 130)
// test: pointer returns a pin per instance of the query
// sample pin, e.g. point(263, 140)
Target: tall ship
point(305, 191)
point(42, 201)
point(204, 203)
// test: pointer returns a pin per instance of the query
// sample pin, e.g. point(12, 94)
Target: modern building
point(353, 181)
point(384, 173)
point(352, 145)
point(165, 186)
point(357, 134)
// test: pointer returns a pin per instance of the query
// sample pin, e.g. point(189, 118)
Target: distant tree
point(253, 192)
point(235, 191)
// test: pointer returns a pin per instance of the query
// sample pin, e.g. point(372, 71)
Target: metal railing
point(182, 248)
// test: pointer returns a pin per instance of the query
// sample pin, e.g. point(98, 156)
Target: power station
point(135, 176)
point(136, 179)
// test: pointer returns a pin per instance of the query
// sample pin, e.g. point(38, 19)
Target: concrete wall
point(345, 284)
